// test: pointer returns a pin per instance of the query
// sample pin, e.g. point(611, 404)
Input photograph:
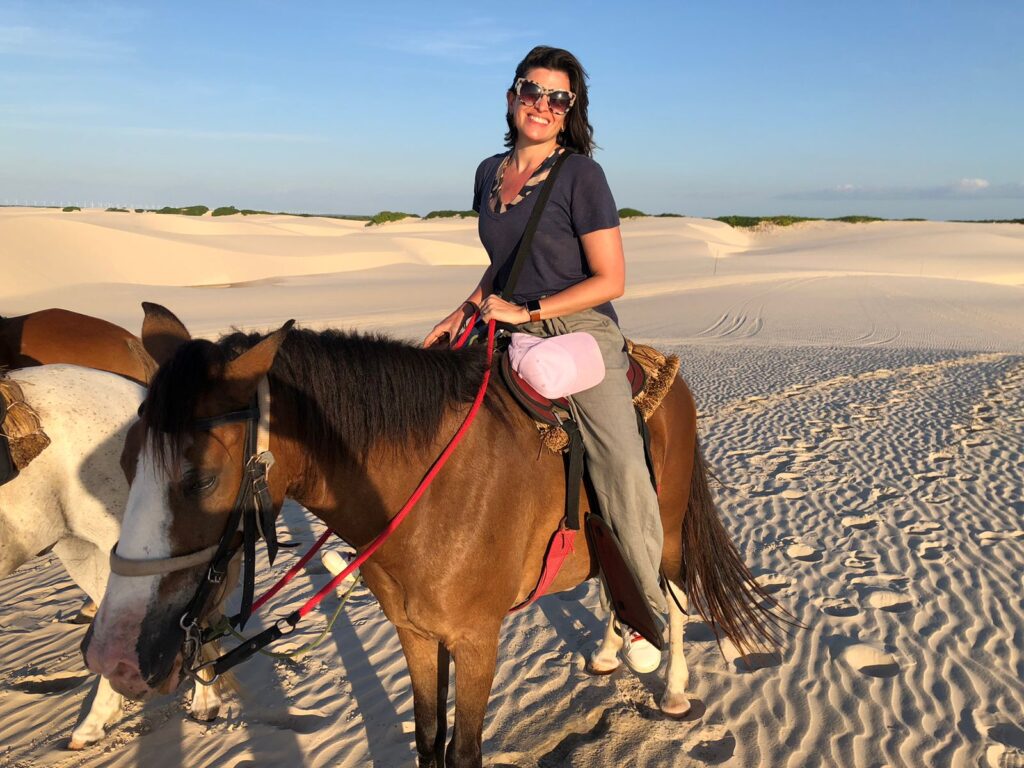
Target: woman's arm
point(603, 251)
point(451, 323)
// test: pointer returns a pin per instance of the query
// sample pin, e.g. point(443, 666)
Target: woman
point(575, 268)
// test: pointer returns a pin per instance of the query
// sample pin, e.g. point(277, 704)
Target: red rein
point(396, 521)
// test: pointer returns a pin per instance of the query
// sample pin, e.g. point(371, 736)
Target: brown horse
point(61, 336)
point(355, 422)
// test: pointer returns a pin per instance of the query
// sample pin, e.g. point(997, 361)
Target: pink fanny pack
point(558, 366)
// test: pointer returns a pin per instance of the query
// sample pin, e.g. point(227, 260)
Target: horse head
point(188, 462)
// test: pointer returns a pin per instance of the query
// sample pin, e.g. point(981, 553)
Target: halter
point(253, 513)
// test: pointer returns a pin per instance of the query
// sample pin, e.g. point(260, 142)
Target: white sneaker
point(639, 654)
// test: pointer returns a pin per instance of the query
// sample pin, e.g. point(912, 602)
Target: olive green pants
point(615, 450)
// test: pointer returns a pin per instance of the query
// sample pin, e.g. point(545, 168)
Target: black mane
point(345, 392)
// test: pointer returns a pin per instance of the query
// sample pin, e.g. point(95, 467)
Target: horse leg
point(475, 659)
point(605, 659)
point(674, 701)
point(206, 699)
point(102, 707)
point(424, 658)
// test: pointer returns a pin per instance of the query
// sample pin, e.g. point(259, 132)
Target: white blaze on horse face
point(145, 535)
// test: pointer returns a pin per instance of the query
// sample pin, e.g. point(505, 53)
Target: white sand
point(861, 391)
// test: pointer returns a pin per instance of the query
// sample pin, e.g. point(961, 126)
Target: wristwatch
point(533, 307)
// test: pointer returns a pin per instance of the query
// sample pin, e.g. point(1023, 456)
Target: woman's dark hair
point(578, 133)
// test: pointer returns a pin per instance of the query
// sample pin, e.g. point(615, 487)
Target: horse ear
point(162, 332)
point(244, 372)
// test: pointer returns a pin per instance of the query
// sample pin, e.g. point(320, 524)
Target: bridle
point(253, 513)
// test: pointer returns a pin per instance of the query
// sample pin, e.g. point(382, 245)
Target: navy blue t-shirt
point(580, 203)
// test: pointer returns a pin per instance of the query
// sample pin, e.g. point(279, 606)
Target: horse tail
point(714, 576)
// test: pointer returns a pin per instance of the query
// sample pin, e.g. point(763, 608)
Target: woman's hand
point(447, 327)
point(496, 308)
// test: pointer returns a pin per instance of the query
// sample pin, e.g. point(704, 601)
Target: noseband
point(253, 513)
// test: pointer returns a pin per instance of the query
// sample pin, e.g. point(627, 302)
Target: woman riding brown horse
point(355, 422)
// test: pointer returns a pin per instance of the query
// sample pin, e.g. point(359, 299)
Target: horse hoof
point(676, 708)
point(76, 744)
point(598, 669)
point(204, 715)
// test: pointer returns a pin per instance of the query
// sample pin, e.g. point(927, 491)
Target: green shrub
point(451, 214)
point(189, 210)
point(857, 219)
point(117, 210)
point(386, 216)
point(225, 210)
point(140, 210)
point(630, 213)
point(670, 215)
point(70, 208)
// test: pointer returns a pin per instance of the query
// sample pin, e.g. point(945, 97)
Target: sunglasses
point(530, 93)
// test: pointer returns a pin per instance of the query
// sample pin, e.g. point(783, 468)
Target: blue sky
point(896, 108)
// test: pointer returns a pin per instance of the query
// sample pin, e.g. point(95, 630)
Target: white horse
point(72, 496)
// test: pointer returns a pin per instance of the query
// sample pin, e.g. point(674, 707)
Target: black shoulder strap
point(531, 226)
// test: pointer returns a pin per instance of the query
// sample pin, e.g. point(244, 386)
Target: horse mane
point(344, 392)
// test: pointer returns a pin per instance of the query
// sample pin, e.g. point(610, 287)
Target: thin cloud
point(43, 42)
point(173, 133)
point(961, 189)
point(461, 41)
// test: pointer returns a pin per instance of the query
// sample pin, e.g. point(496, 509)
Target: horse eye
point(194, 484)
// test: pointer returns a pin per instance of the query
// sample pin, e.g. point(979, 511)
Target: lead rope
point(286, 625)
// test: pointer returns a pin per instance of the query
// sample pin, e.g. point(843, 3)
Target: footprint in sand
point(803, 553)
point(920, 529)
point(712, 744)
point(861, 522)
point(937, 498)
point(870, 661)
point(892, 602)
point(860, 559)
point(793, 494)
point(770, 583)
point(933, 551)
point(991, 537)
point(940, 456)
point(839, 607)
point(882, 493)
point(1002, 756)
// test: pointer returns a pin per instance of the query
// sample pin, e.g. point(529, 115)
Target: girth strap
point(573, 474)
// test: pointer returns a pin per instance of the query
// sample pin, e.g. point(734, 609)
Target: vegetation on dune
point(986, 221)
point(225, 210)
point(188, 210)
point(670, 215)
point(117, 210)
point(69, 208)
point(386, 216)
point(140, 210)
point(451, 214)
point(785, 221)
point(630, 213)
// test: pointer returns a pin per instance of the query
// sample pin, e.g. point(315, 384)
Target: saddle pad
point(660, 372)
point(21, 425)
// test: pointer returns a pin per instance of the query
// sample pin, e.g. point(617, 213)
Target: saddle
point(650, 375)
point(21, 432)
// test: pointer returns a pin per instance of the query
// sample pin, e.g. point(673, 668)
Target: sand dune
point(860, 390)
